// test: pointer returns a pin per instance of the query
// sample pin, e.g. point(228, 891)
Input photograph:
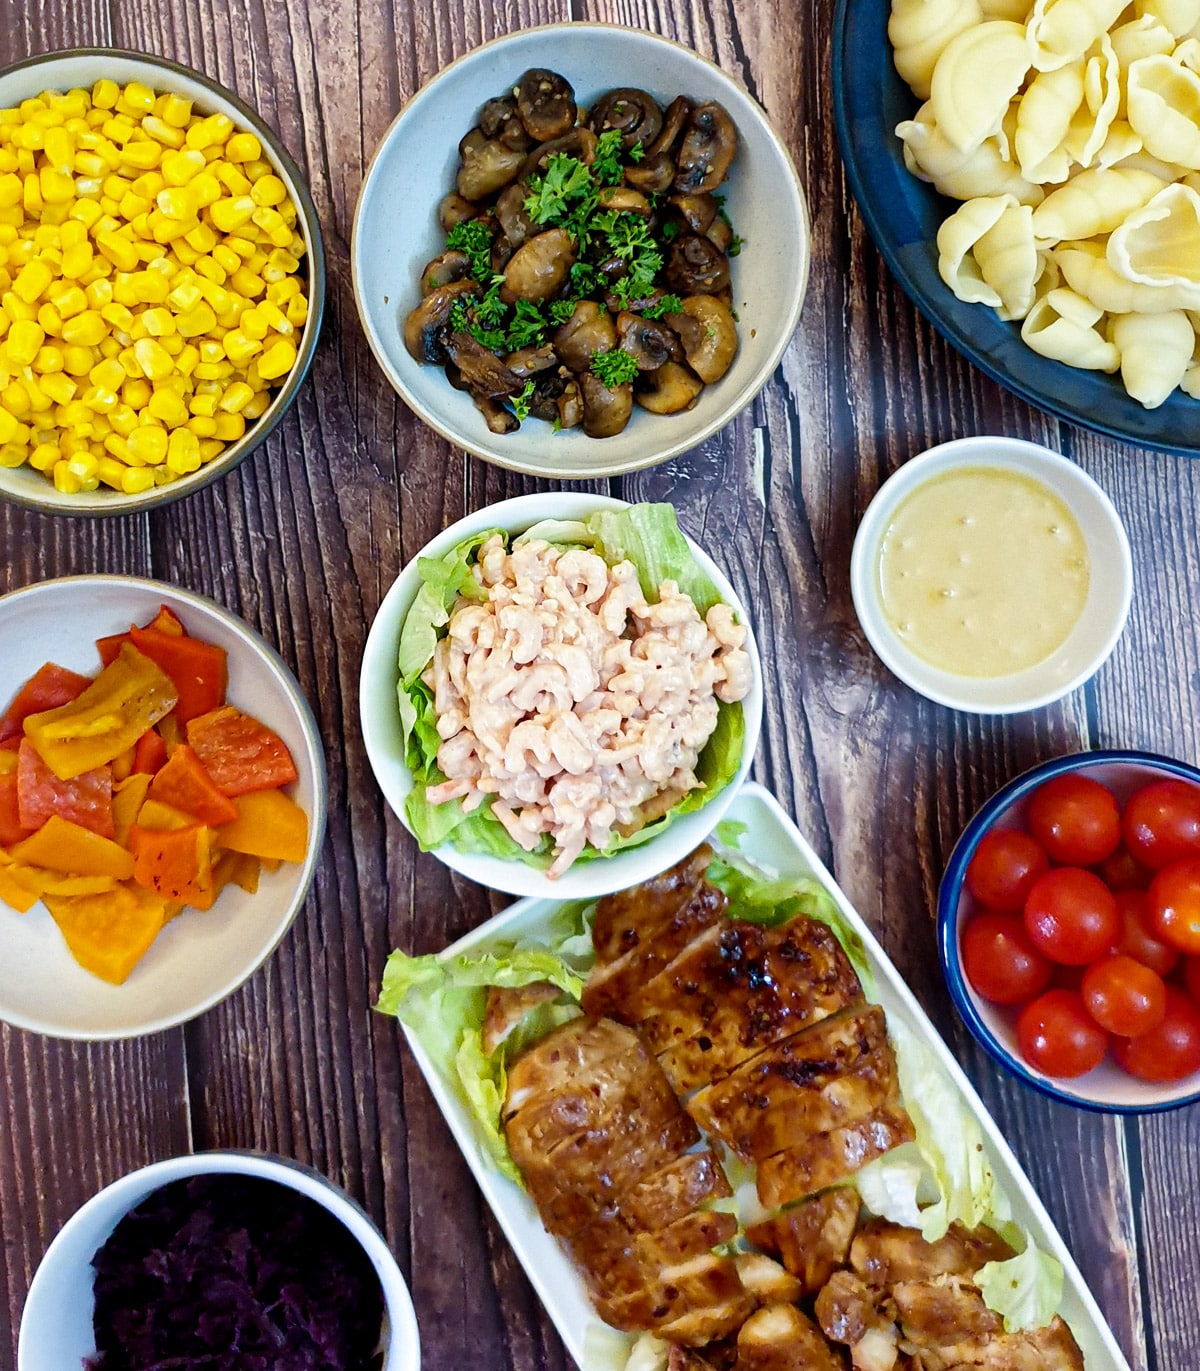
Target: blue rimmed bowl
point(1106, 1089)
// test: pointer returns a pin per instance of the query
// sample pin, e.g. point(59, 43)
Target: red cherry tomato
point(1071, 916)
point(999, 960)
point(1169, 1052)
point(1057, 1035)
point(1005, 865)
point(1174, 898)
point(1161, 823)
point(1138, 938)
point(1191, 977)
point(1121, 872)
point(1076, 820)
point(1124, 996)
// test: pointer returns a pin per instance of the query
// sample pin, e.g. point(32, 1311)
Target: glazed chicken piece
point(778, 1337)
point(737, 989)
point(836, 1074)
point(943, 1311)
point(885, 1253)
point(507, 1007)
point(766, 1280)
point(1052, 1348)
point(851, 1312)
point(602, 1144)
point(813, 1239)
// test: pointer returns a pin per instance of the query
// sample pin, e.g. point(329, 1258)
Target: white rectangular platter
point(772, 840)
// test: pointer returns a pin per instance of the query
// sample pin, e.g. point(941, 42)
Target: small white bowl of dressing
point(991, 575)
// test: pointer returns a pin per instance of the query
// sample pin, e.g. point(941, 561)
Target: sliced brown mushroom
point(526, 362)
point(636, 304)
point(720, 234)
point(487, 166)
point(498, 419)
point(548, 387)
point(648, 341)
point(579, 143)
point(669, 390)
point(570, 406)
point(501, 119)
point(482, 371)
point(589, 330)
point(454, 209)
point(511, 215)
point(501, 254)
point(625, 199)
point(708, 334)
point(707, 149)
point(696, 211)
point(696, 267)
point(426, 326)
point(539, 267)
point(653, 175)
point(635, 113)
point(447, 266)
point(546, 104)
point(676, 117)
point(606, 410)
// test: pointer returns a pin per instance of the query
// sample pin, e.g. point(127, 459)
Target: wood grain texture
point(304, 540)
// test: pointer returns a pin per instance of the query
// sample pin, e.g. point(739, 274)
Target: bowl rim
point(950, 891)
point(526, 880)
point(287, 1171)
point(999, 450)
point(598, 470)
point(306, 876)
point(282, 399)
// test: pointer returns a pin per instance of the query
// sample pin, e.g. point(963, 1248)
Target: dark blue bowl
point(903, 215)
point(1107, 1089)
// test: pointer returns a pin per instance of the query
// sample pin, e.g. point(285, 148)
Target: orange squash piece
point(109, 934)
point(174, 863)
point(184, 784)
point(162, 818)
point(128, 798)
point(268, 825)
point(60, 845)
point(14, 894)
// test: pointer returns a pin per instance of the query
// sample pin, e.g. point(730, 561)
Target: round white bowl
point(1106, 1088)
point(396, 232)
point(1110, 588)
point(200, 957)
point(83, 67)
point(382, 734)
point(56, 1325)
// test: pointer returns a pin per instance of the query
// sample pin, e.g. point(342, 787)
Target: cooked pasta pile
point(1071, 131)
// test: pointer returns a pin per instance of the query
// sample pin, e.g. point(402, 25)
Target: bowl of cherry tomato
point(1069, 930)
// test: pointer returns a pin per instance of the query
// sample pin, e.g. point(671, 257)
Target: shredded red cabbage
point(234, 1273)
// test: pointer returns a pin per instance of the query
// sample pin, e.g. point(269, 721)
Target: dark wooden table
point(305, 538)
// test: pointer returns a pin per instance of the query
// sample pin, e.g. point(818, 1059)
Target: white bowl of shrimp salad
point(561, 695)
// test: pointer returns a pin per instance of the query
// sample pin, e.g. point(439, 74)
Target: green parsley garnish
point(735, 245)
point(550, 199)
point(671, 229)
point(665, 304)
point(614, 368)
point(561, 310)
point(606, 161)
point(472, 237)
point(520, 403)
point(527, 328)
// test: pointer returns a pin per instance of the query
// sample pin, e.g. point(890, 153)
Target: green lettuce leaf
point(649, 536)
point(443, 580)
point(1025, 1290)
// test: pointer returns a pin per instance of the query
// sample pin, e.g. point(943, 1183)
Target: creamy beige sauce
point(983, 572)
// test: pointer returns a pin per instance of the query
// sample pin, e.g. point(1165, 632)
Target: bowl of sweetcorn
point(162, 281)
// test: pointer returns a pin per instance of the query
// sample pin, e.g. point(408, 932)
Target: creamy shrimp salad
point(560, 699)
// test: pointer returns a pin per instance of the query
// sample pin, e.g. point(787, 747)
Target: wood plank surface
point(306, 537)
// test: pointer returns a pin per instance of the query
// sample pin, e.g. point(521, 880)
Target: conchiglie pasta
point(956, 239)
point(1101, 101)
point(961, 175)
point(975, 79)
point(920, 30)
point(1009, 260)
point(1142, 37)
point(1093, 202)
point(1159, 244)
point(1044, 115)
point(1178, 17)
point(1086, 269)
point(1121, 144)
point(1163, 98)
point(1062, 326)
point(1156, 353)
point(1061, 31)
point(1016, 11)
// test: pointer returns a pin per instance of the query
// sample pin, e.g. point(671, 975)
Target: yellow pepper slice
point(60, 845)
point(129, 696)
point(108, 934)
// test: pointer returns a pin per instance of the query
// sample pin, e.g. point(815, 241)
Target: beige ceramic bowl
point(83, 67)
point(396, 232)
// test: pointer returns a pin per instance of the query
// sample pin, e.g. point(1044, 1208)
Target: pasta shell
point(1009, 261)
point(920, 30)
point(1179, 17)
point(1121, 145)
point(1142, 37)
point(1016, 11)
point(1156, 352)
point(976, 76)
point(956, 239)
point(1086, 269)
point(1093, 202)
point(961, 175)
point(1061, 31)
point(1061, 326)
point(1044, 116)
point(1164, 108)
point(1101, 101)
point(1159, 244)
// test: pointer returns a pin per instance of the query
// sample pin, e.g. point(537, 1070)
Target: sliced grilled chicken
point(688, 1359)
point(1052, 1348)
point(943, 1311)
point(736, 989)
point(700, 1327)
point(558, 1061)
point(766, 1280)
point(851, 1312)
point(778, 1337)
point(642, 914)
point(507, 1007)
point(616, 1254)
point(813, 1239)
point(885, 1253)
point(675, 1190)
point(697, 1286)
point(824, 1159)
point(837, 1073)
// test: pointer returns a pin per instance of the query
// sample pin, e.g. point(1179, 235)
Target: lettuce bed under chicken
point(648, 536)
point(942, 1178)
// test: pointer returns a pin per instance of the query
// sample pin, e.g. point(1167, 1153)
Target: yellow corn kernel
point(166, 230)
point(168, 408)
point(231, 212)
point(178, 168)
point(158, 322)
point(118, 315)
point(32, 280)
point(230, 427)
point(203, 406)
point(59, 387)
point(15, 399)
point(78, 360)
point(45, 456)
point(254, 325)
point(183, 452)
point(213, 371)
point(86, 211)
point(238, 347)
point(202, 238)
point(24, 339)
point(60, 149)
point(31, 195)
point(196, 321)
point(77, 259)
point(172, 343)
point(99, 399)
point(268, 191)
point(148, 184)
point(216, 295)
point(162, 132)
point(86, 329)
point(283, 289)
point(236, 397)
point(56, 187)
point(212, 350)
point(131, 206)
point(138, 97)
point(185, 295)
point(202, 427)
point(149, 287)
point(225, 257)
point(245, 282)
point(50, 319)
point(136, 392)
point(105, 93)
point(147, 445)
point(297, 311)
point(48, 362)
point(109, 374)
point(176, 111)
point(118, 129)
point(232, 178)
point(65, 482)
point(241, 245)
point(8, 426)
point(135, 481)
point(119, 251)
point(110, 470)
point(124, 418)
point(153, 359)
point(176, 202)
